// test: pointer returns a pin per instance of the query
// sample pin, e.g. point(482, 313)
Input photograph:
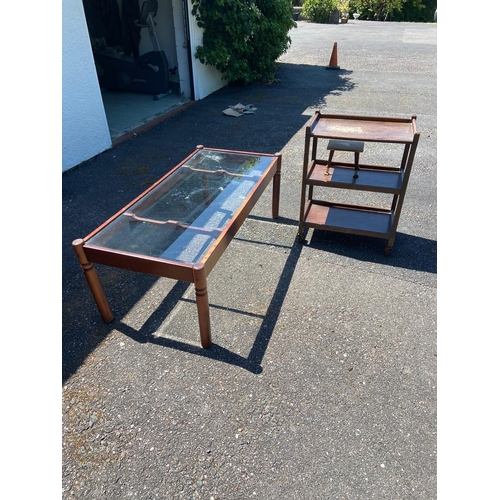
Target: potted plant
point(297, 9)
point(343, 6)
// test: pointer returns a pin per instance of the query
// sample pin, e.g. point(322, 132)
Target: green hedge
point(319, 11)
point(395, 10)
point(244, 38)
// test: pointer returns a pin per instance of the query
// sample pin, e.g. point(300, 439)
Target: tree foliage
point(319, 11)
point(243, 38)
point(379, 10)
point(420, 11)
point(395, 10)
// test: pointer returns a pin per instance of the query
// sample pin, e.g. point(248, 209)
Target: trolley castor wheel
point(387, 250)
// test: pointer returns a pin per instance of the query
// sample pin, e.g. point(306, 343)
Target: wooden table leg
point(200, 284)
point(93, 282)
point(276, 187)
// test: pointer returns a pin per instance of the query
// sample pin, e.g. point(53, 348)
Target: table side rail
point(140, 263)
point(233, 151)
point(222, 242)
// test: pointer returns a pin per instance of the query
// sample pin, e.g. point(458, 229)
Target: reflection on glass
point(182, 217)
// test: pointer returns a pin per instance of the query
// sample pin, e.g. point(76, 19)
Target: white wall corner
point(85, 131)
point(206, 79)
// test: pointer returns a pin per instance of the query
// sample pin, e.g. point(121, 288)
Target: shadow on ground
point(251, 363)
point(409, 251)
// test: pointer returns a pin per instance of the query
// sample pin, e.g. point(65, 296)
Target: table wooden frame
point(196, 273)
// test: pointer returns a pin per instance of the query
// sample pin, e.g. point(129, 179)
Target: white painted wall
point(85, 131)
point(206, 79)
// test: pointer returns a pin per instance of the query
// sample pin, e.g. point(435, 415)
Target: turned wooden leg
point(276, 188)
point(200, 284)
point(93, 282)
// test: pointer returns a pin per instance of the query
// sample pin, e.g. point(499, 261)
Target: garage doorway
point(142, 60)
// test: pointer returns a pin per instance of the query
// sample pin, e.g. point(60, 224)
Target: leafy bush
point(319, 11)
point(379, 10)
point(243, 38)
point(395, 10)
point(419, 11)
point(343, 6)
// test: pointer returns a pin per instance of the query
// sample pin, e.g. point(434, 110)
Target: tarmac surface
point(321, 382)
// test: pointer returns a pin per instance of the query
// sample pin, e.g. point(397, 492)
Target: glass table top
point(181, 217)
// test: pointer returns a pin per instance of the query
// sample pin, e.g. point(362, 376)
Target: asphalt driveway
point(321, 382)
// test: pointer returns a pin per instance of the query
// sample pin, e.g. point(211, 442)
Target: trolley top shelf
point(363, 128)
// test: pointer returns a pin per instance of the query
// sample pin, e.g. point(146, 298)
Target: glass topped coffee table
point(181, 225)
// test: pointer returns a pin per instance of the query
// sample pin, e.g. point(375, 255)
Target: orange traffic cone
point(333, 59)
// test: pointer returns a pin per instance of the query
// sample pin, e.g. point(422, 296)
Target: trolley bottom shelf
point(354, 219)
